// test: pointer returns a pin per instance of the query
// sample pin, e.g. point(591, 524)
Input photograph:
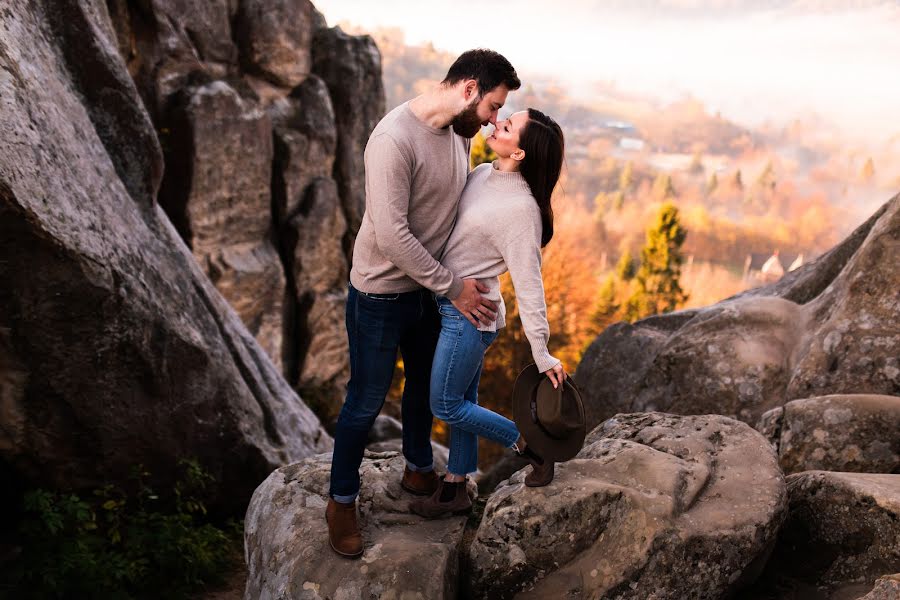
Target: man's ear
point(470, 90)
point(518, 154)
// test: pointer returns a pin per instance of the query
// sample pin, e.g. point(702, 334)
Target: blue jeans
point(377, 326)
point(455, 373)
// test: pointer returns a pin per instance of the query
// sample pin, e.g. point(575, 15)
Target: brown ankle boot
point(433, 508)
point(343, 528)
point(541, 470)
point(418, 483)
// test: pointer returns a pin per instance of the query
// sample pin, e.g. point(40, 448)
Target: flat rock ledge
point(655, 506)
point(286, 538)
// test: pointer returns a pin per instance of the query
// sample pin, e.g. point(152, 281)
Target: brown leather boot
point(433, 507)
point(343, 528)
point(541, 470)
point(418, 483)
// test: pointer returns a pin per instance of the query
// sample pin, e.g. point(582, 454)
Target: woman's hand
point(557, 375)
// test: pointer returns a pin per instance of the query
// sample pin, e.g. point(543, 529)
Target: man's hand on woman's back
point(476, 308)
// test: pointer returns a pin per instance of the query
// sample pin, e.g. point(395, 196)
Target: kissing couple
point(434, 239)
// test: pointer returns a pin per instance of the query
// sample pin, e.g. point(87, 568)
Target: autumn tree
point(696, 166)
point(626, 178)
point(658, 288)
point(868, 171)
point(766, 180)
point(481, 153)
point(625, 267)
point(712, 185)
point(663, 188)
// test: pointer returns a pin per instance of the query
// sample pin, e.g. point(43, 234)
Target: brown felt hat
point(551, 420)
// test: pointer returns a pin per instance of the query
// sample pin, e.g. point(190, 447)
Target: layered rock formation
point(115, 348)
point(263, 113)
point(827, 328)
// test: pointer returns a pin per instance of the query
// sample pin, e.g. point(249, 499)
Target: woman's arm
point(522, 255)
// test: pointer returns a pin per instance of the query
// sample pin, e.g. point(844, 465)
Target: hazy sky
point(751, 60)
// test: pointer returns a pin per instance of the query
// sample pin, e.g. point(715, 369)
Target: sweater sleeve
point(388, 183)
point(522, 255)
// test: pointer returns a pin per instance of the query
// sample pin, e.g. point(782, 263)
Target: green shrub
point(117, 544)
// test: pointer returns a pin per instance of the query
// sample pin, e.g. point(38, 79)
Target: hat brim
point(545, 446)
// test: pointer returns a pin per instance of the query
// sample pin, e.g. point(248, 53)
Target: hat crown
point(556, 409)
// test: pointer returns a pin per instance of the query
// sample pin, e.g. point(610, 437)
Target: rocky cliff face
point(115, 347)
point(263, 114)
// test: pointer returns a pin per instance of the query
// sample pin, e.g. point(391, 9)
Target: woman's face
point(505, 138)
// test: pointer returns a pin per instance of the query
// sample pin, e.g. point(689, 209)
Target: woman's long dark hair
point(544, 146)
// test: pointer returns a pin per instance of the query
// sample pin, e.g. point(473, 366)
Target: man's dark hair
point(487, 67)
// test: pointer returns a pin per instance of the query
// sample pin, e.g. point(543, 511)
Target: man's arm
point(388, 183)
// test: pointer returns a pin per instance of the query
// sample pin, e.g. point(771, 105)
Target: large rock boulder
point(305, 144)
point(351, 68)
point(274, 37)
point(886, 588)
point(286, 538)
point(116, 349)
point(165, 43)
point(853, 432)
point(842, 531)
point(313, 235)
point(654, 506)
point(827, 328)
point(217, 193)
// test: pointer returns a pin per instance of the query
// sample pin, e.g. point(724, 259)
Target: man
point(416, 161)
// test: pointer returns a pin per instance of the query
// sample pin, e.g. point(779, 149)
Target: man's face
point(482, 111)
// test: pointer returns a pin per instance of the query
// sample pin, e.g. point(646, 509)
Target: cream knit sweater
point(498, 229)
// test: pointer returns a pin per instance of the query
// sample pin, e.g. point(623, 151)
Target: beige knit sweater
point(498, 229)
point(414, 176)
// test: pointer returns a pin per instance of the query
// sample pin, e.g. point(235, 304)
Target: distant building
point(761, 268)
point(627, 143)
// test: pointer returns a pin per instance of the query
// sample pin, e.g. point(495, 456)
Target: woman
point(504, 220)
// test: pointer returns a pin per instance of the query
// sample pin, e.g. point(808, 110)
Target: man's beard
point(467, 123)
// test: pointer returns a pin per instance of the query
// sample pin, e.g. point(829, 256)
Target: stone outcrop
point(843, 530)
point(217, 193)
point(263, 113)
point(351, 67)
point(274, 37)
point(827, 328)
point(886, 588)
point(654, 506)
point(852, 433)
point(286, 538)
point(116, 350)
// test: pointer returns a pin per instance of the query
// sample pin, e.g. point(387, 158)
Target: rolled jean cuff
point(417, 469)
point(345, 499)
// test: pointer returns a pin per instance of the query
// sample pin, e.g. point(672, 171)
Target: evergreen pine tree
point(663, 188)
point(625, 266)
point(658, 287)
point(868, 171)
point(626, 178)
point(713, 184)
